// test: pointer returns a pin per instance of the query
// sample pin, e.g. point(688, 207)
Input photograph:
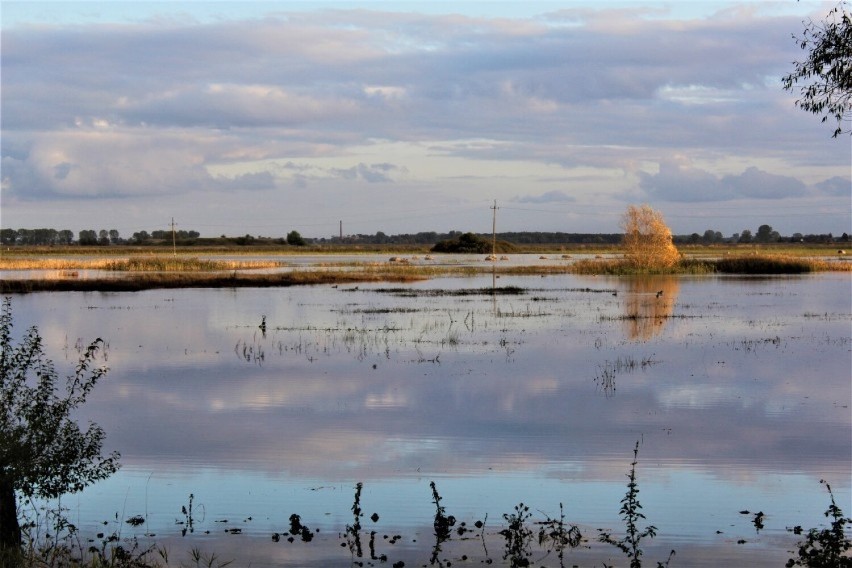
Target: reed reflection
point(650, 301)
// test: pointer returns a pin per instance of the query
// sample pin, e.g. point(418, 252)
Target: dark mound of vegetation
point(763, 265)
point(414, 293)
point(470, 243)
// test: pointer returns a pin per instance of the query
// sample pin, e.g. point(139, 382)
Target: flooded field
point(236, 409)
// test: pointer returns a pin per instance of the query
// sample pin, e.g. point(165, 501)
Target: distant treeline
point(764, 234)
point(106, 237)
point(88, 237)
point(520, 238)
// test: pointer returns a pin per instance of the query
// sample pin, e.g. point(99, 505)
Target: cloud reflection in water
point(385, 397)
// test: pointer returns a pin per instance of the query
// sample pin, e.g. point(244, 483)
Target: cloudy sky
point(264, 117)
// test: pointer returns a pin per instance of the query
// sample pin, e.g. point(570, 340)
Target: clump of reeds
point(763, 264)
point(618, 267)
point(751, 264)
point(696, 266)
point(623, 267)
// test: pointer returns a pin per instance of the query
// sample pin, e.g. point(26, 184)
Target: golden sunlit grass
point(142, 273)
point(136, 264)
point(234, 279)
point(29, 263)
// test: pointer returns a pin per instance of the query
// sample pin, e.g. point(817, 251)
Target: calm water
point(737, 390)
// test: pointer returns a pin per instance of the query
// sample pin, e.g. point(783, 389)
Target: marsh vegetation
point(452, 540)
point(162, 271)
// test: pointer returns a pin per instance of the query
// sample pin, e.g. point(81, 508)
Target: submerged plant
point(353, 531)
point(631, 514)
point(605, 380)
point(826, 548)
point(556, 534)
point(518, 536)
point(189, 517)
point(115, 551)
point(200, 559)
point(443, 523)
point(300, 530)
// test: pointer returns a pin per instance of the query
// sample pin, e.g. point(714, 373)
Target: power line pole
point(174, 240)
point(494, 231)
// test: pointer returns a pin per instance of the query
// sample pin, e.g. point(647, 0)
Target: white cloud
point(95, 162)
point(679, 181)
point(229, 106)
point(476, 107)
point(386, 91)
point(763, 185)
point(836, 186)
point(554, 196)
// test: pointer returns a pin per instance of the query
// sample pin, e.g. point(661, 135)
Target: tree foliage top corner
point(823, 80)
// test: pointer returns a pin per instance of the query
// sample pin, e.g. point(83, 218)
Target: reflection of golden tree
point(649, 302)
point(647, 239)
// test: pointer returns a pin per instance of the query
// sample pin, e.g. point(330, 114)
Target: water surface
point(737, 390)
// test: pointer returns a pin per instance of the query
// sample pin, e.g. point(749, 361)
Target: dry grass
point(779, 264)
point(744, 264)
point(167, 272)
point(29, 263)
point(135, 264)
point(233, 279)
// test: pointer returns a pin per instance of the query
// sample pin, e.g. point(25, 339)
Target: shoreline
point(131, 272)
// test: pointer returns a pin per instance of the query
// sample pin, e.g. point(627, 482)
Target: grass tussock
point(763, 265)
point(778, 264)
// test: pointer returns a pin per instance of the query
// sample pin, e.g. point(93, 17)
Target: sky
point(259, 118)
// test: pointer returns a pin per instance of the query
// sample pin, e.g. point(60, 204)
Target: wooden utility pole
point(174, 240)
point(494, 231)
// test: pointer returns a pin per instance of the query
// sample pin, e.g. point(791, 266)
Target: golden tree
point(647, 239)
